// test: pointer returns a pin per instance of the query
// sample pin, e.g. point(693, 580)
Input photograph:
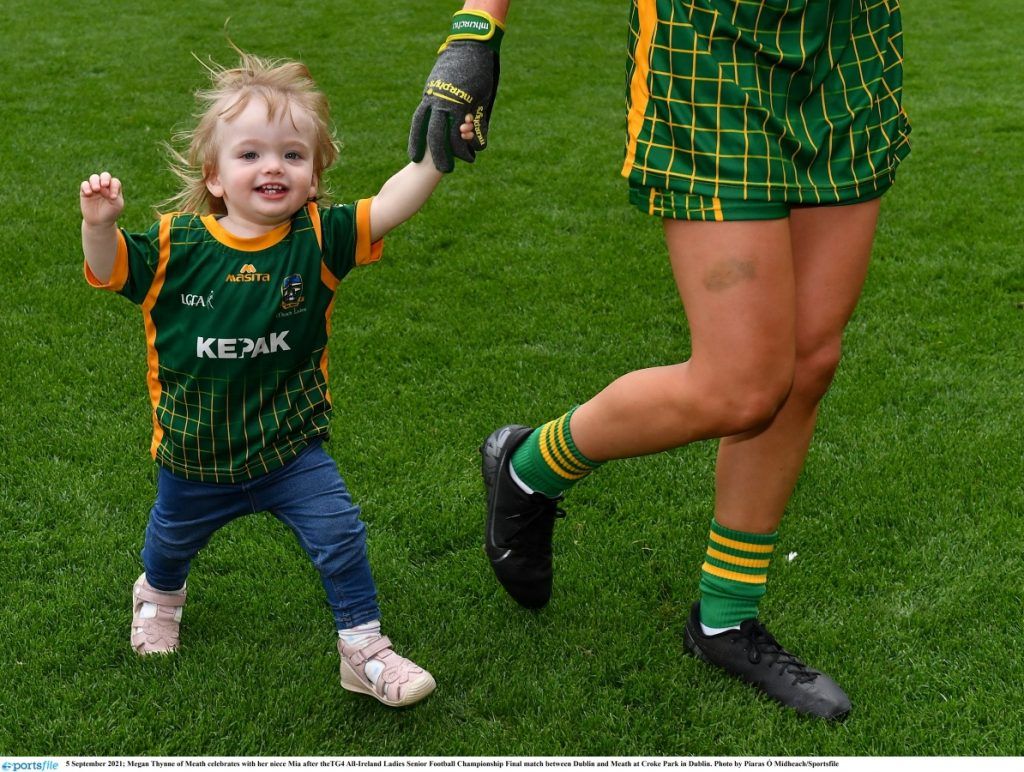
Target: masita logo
point(248, 273)
point(240, 348)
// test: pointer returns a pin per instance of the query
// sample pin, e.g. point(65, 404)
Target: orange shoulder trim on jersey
point(314, 218)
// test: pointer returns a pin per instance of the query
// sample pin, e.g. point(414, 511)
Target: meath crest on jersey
point(291, 292)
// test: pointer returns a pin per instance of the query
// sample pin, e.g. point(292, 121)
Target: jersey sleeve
point(134, 265)
point(346, 242)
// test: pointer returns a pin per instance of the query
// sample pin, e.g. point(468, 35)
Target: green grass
point(525, 285)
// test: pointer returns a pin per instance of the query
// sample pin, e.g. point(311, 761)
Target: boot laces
point(535, 528)
point(763, 643)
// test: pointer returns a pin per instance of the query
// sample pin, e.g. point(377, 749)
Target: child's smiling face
point(264, 171)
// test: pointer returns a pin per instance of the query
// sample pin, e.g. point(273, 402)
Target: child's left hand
point(466, 129)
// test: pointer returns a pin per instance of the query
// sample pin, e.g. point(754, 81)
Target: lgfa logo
point(248, 273)
point(194, 301)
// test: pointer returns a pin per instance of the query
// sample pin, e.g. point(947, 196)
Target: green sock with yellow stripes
point(733, 576)
point(548, 460)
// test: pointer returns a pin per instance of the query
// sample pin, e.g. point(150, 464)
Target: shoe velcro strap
point(370, 650)
point(151, 595)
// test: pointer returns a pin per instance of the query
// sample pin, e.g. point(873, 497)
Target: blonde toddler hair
point(282, 85)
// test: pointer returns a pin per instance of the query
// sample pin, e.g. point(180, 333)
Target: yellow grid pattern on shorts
point(778, 100)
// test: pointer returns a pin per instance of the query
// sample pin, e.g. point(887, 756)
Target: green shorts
point(694, 206)
point(777, 102)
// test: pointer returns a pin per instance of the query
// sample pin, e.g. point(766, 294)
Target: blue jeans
point(307, 494)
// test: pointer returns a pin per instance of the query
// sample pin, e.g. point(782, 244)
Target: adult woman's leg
point(736, 283)
point(758, 469)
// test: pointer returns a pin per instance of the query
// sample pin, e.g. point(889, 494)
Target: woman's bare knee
point(815, 371)
point(740, 402)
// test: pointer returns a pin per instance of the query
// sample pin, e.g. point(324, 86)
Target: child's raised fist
point(101, 199)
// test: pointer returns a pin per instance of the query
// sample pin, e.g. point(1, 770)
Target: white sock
point(716, 630)
point(359, 636)
point(517, 481)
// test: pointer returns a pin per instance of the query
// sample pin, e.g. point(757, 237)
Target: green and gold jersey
point(236, 332)
point(765, 100)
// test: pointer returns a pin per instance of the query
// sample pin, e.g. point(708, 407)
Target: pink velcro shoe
point(155, 634)
point(402, 682)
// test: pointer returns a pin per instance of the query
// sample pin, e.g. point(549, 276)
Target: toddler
point(237, 291)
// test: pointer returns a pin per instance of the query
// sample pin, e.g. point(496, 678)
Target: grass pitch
point(524, 286)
